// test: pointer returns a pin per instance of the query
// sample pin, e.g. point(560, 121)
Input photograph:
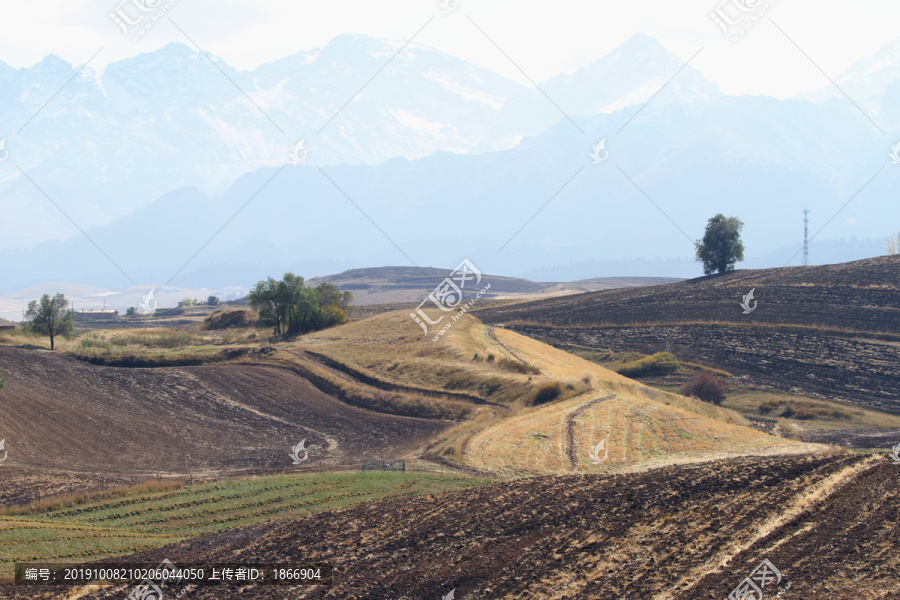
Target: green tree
point(291, 308)
point(131, 312)
point(213, 301)
point(50, 317)
point(721, 245)
point(274, 301)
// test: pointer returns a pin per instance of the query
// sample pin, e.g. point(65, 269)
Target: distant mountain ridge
point(137, 157)
point(410, 284)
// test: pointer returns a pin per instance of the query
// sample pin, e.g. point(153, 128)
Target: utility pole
point(805, 237)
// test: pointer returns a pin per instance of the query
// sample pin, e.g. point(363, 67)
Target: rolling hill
point(411, 284)
point(515, 432)
point(830, 331)
point(67, 423)
point(829, 525)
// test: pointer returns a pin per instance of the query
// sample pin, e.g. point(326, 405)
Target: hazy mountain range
point(160, 152)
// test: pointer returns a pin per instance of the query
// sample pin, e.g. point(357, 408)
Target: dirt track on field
point(831, 525)
point(60, 415)
point(829, 331)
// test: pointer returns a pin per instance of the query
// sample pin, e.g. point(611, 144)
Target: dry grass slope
point(641, 426)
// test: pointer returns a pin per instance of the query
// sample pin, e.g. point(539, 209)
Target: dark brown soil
point(828, 331)
point(58, 414)
point(600, 537)
point(866, 372)
point(860, 296)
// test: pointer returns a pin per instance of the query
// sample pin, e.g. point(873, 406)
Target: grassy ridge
point(141, 520)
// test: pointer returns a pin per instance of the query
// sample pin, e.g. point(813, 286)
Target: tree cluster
point(291, 308)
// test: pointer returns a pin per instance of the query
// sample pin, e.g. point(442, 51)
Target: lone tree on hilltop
point(50, 317)
point(721, 245)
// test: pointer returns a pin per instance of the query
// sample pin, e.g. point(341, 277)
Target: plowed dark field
point(64, 418)
point(701, 321)
point(858, 370)
point(830, 525)
point(861, 296)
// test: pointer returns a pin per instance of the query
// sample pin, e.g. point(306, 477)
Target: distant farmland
point(832, 331)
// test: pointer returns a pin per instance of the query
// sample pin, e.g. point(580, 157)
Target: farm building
point(96, 314)
point(4, 324)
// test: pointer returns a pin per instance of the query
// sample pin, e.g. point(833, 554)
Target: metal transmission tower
point(805, 237)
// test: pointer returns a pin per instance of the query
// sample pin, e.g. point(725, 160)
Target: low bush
point(706, 388)
point(546, 392)
point(518, 366)
point(659, 364)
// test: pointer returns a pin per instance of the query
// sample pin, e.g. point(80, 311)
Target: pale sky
point(543, 38)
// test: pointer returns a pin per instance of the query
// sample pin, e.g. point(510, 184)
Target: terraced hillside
point(831, 331)
point(859, 296)
point(514, 432)
point(640, 427)
point(75, 422)
point(829, 525)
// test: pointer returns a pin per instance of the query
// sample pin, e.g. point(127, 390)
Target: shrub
point(661, 363)
point(490, 358)
point(517, 366)
point(228, 319)
point(706, 388)
point(547, 392)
